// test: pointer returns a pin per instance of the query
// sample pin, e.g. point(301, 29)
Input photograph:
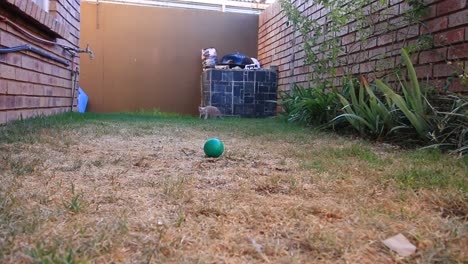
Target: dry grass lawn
point(135, 188)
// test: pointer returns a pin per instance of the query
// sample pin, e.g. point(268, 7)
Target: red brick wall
point(31, 84)
point(447, 23)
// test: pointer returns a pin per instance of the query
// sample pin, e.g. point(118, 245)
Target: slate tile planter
point(243, 93)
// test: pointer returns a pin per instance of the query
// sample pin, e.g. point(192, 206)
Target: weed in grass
point(75, 205)
point(49, 255)
point(19, 168)
point(180, 218)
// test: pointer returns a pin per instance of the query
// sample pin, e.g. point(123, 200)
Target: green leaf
point(415, 96)
point(417, 121)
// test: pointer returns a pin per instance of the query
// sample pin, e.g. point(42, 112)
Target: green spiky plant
point(366, 112)
point(413, 103)
point(440, 129)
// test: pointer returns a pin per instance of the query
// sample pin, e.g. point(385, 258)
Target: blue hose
point(35, 50)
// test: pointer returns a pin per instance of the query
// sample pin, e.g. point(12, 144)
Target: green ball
point(213, 148)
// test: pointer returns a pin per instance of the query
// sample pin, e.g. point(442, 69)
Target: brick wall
point(447, 23)
point(31, 84)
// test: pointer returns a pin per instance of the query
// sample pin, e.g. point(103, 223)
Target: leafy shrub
point(314, 105)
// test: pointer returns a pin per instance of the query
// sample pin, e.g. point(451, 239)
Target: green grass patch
point(423, 156)
point(335, 158)
point(142, 123)
point(341, 155)
point(29, 130)
point(430, 177)
point(358, 151)
point(429, 157)
point(433, 169)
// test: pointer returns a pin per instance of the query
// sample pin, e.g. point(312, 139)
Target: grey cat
point(209, 112)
